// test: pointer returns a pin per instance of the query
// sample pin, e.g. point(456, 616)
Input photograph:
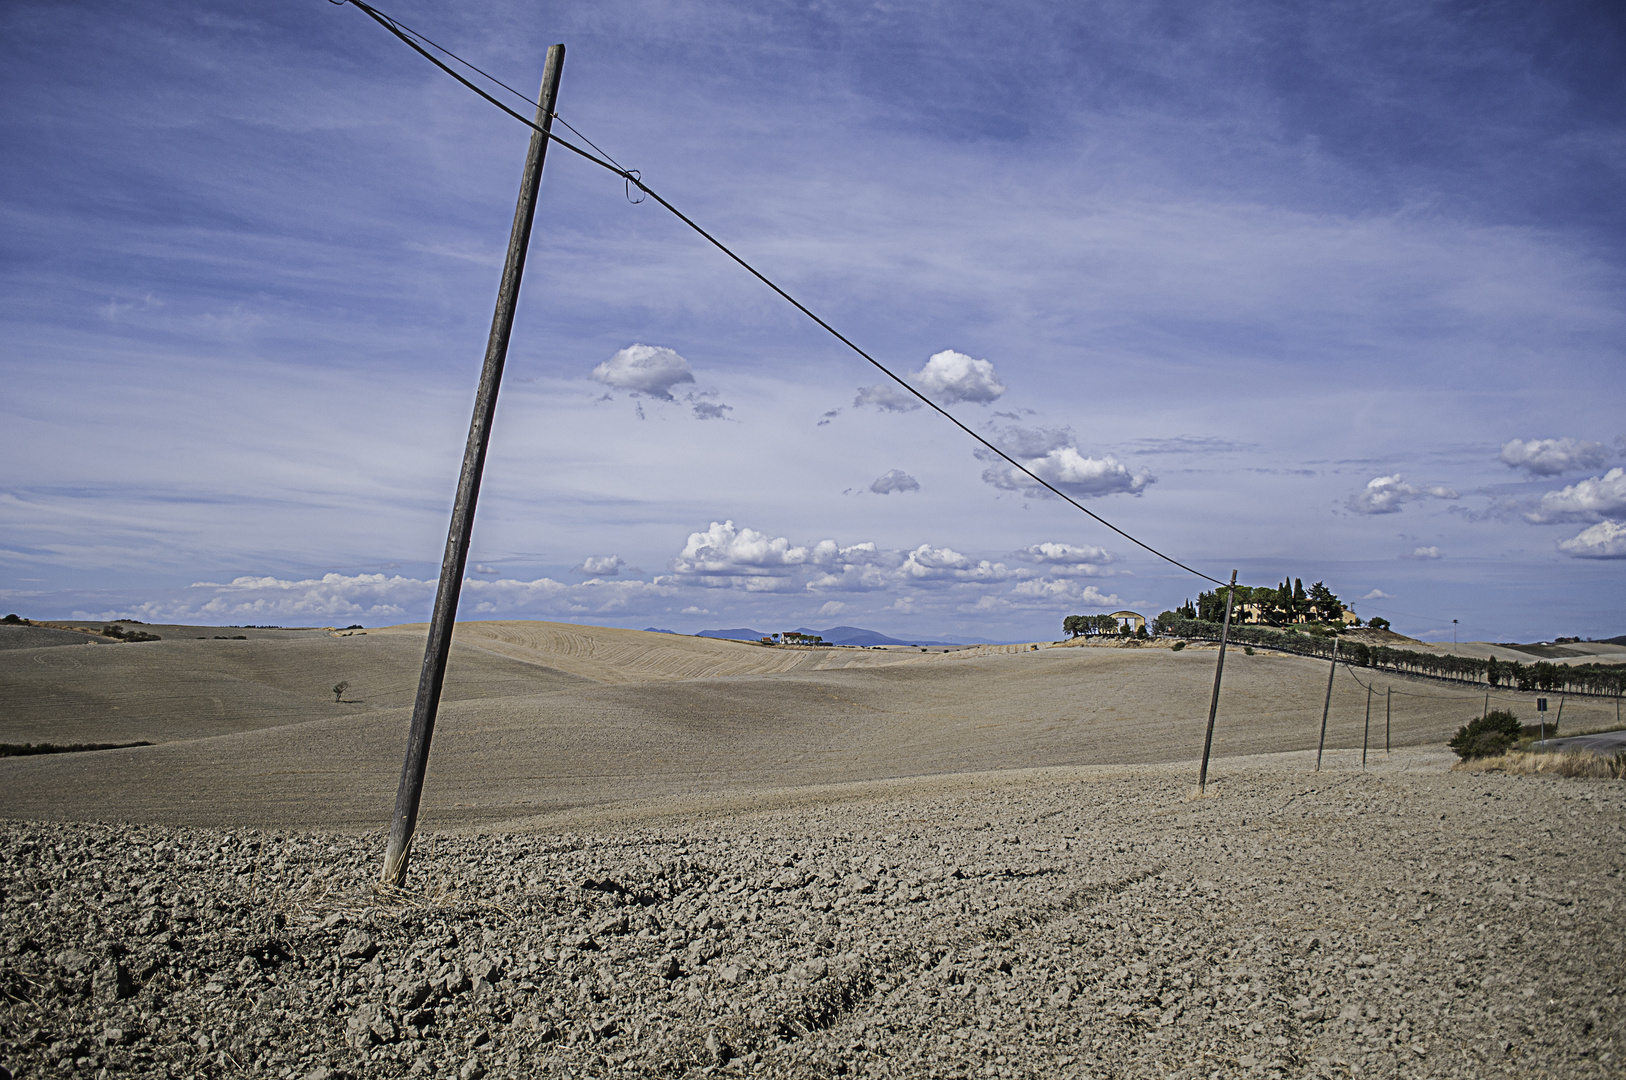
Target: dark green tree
point(1324, 603)
point(1486, 736)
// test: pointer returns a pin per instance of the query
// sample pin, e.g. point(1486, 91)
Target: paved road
point(1609, 742)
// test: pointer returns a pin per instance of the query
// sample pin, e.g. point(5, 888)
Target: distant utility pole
point(1326, 705)
point(1367, 730)
point(433, 676)
point(1219, 669)
point(1388, 703)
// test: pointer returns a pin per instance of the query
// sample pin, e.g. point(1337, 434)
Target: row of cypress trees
point(1602, 679)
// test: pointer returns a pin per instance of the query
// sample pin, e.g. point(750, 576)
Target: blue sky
point(1330, 291)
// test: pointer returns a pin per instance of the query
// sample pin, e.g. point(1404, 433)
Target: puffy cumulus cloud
point(1605, 540)
point(1549, 457)
point(1052, 455)
point(1592, 499)
point(601, 565)
point(1386, 495)
point(885, 397)
point(728, 551)
point(1046, 590)
point(928, 564)
point(1430, 552)
point(378, 598)
point(953, 376)
point(1378, 594)
point(645, 369)
point(1065, 559)
point(894, 480)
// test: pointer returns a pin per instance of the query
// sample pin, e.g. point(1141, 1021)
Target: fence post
point(1326, 705)
point(1213, 703)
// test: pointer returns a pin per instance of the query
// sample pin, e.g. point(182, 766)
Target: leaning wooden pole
point(1326, 706)
point(1213, 702)
point(1367, 730)
point(433, 676)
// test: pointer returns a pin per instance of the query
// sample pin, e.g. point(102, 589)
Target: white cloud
point(928, 564)
point(1386, 494)
point(1605, 540)
point(893, 481)
point(1050, 454)
point(601, 565)
point(832, 607)
point(1064, 559)
point(886, 397)
point(727, 557)
point(482, 568)
point(335, 597)
point(1590, 500)
point(709, 410)
point(953, 376)
point(645, 369)
point(1429, 552)
point(1377, 594)
point(1052, 591)
point(1549, 457)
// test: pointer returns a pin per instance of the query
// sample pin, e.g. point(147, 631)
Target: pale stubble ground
point(1070, 920)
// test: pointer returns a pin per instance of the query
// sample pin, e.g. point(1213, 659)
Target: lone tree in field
point(339, 689)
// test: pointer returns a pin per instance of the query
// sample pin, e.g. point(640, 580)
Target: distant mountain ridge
point(836, 635)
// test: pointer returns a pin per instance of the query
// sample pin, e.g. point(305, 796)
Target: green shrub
point(1486, 736)
point(1178, 645)
point(1248, 649)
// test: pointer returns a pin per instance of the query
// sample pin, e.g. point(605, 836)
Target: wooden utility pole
point(1213, 703)
point(433, 676)
point(1326, 705)
point(1367, 730)
point(1388, 702)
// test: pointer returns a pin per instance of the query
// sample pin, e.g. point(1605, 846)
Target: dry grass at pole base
point(1578, 763)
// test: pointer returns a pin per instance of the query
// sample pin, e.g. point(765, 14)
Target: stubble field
point(834, 863)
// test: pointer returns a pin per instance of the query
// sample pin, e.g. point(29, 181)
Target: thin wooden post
point(1326, 705)
point(1388, 700)
point(433, 676)
point(1558, 721)
point(1367, 730)
point(1213, 702)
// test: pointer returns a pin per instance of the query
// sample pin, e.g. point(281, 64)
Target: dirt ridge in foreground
point(1408, 921)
